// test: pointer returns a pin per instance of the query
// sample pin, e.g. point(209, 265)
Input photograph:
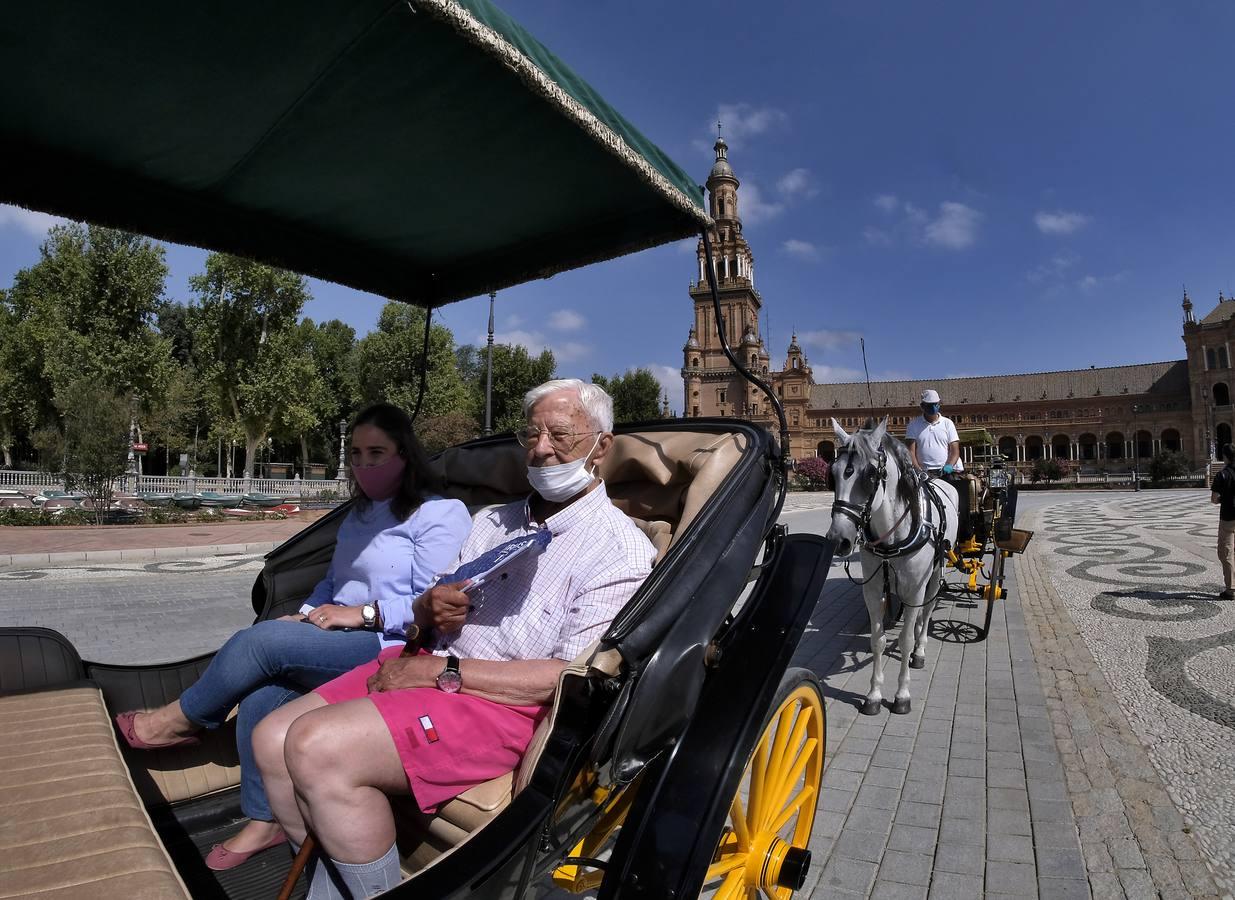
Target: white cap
point(929, 396)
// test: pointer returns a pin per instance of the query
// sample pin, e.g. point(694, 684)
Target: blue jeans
point(261, 668)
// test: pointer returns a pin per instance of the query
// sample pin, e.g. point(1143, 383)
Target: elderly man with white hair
point(462, 710)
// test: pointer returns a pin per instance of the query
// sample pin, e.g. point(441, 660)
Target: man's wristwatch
point(450, 680)
point(368, 615)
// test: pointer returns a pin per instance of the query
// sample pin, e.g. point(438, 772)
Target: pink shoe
point(124, 721)
point(220, 859)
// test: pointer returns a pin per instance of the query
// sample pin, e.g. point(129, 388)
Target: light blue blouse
point(389, 563)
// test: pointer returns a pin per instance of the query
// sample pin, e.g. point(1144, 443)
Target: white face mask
point(561, 482)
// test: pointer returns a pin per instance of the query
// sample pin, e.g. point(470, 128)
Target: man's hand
point(294, 617)
point(329, 616)
point(443, 608)
point(406, 672)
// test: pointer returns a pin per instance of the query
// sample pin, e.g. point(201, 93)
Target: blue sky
point(974, 188)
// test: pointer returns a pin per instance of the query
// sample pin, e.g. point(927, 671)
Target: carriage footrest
point(1017, 542)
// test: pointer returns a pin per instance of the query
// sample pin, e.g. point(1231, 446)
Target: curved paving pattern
point(1139, 576)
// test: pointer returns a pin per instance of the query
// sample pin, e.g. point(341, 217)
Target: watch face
point(450, 681)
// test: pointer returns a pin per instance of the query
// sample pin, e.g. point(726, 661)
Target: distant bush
point(812, 473)
point(1046, 470)
point(1169, 464)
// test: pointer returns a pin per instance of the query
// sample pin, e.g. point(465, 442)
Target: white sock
point(325, 883)
point(366, 879)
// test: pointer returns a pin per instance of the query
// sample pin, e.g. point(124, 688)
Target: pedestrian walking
point(1223, 495)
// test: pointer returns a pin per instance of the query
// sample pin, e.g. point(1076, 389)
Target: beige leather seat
point(73, 826)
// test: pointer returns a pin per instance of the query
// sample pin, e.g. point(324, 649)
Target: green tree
point(86, 310)
point(1169, 464)
point(388, 363)
point(515, 372)
point(636, 395)
point(13, 394)
point(332, 345)
point(254, 362)
point(95, 439)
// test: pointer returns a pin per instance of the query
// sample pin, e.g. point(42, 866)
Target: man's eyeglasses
point(561, 440)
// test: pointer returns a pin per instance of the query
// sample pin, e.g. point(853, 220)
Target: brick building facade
point(1092, 418)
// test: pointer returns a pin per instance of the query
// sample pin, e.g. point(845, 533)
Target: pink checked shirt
point(554, 604)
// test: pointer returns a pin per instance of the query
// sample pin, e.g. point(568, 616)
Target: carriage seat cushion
point(661, 479)
point(73, 826)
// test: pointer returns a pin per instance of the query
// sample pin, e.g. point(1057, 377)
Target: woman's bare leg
point(268, 748)
point(343, 763)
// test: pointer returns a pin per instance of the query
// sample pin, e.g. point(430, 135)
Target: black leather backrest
point(33, 658)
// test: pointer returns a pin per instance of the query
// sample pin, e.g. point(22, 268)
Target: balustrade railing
point(171, 484)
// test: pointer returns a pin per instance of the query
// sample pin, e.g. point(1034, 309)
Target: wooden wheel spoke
point(792, 807)
point(777, 800)
point(727, 865)
point(737, 815)
point(758, 778)
point(783, 729)
point(731, 886)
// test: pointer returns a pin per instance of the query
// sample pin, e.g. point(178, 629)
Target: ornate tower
point(713, 387)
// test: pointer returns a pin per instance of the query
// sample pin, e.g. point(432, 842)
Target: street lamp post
point(342, 441)
point(1136, 452)
point(1209, 430)
point(489, 371)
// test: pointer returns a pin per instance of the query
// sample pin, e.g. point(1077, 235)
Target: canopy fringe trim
point(492, 42)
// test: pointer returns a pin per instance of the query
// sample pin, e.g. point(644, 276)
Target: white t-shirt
point(933, 439)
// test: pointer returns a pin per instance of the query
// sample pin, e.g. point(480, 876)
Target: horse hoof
point(871, 708)
point(900, 707)
point(917, 662)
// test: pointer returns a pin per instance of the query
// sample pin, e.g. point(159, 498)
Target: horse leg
point(900, 705)
point(874, 609)
point(922, 627)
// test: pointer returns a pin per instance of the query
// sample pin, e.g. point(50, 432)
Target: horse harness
point(921, 532)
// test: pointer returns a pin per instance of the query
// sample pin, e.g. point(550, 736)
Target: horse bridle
point(861, 515)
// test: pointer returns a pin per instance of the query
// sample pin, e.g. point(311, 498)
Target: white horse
point(903, 526)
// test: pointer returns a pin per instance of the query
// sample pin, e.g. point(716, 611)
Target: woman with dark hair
point(390, 547)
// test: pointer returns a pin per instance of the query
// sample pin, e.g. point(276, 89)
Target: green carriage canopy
point(425, 151)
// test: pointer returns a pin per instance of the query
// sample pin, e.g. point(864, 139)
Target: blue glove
point(947, 469)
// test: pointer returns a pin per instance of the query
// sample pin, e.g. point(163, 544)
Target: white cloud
point(534, 342)
point(741, 121)
point(956, 227)
point(566, 320)
point(889, 203)
point(670, 379)
point(754, 208)
point(835, 374)
point(797, 183)
point(1060, 222)
point(876, 236)
point(1093, 282)
point(1053, 268)
point(830, 338)
point(27, 220)
point(803, 250)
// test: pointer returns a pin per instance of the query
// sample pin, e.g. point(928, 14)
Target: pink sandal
point(220, 859)
point(124, 721)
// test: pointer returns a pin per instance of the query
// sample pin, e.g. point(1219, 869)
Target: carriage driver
point(935, 447)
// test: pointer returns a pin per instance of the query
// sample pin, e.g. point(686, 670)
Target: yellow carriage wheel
point(762, 850)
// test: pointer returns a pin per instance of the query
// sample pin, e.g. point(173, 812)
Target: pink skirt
point(447, 743)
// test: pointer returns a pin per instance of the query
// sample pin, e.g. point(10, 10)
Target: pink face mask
point(380, 482)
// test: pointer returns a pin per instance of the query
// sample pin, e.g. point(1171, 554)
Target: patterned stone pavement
point(1138, 658)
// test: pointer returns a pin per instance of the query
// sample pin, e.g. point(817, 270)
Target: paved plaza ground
point(1084, 748)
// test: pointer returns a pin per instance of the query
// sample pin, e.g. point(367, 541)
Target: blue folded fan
point(483, 566)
